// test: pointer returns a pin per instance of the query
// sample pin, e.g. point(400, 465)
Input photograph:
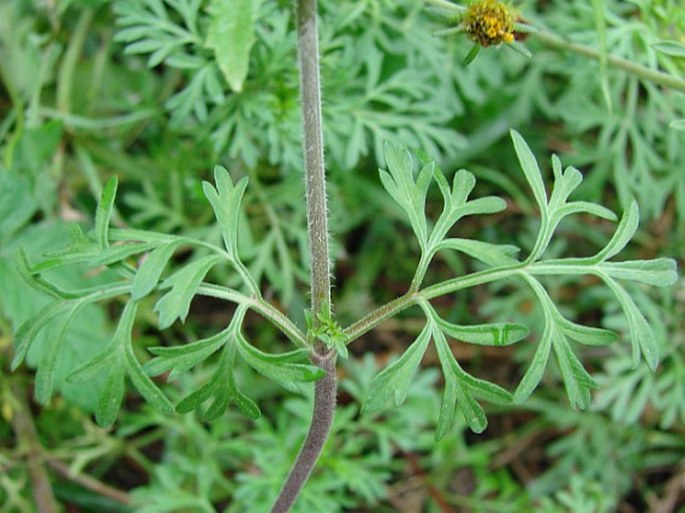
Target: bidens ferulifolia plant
point(407, 177)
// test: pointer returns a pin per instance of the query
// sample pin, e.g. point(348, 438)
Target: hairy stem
point(651, 75)
point(317, 221)
point(322, 420)
point(315, 175)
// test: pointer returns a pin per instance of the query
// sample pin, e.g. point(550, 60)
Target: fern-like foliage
point(114, 248)
point(382, 78)
point(409, 188)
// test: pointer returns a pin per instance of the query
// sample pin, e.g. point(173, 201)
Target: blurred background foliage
point(141, 89)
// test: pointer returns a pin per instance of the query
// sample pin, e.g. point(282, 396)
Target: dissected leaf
point(391, 385)
point(226, 202)
point(641, 335)
point(279, 367)
point(175, 304)
point(111, 397)
point(659, 272)
point(181, 358)
point(103, 213)
point(151, 269)
point(499, 334)
point(624, 232)
point(531, 170)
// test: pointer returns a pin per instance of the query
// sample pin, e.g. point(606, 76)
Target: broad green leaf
point(624, 232)
point(659, 272)
point(672, 48)
point(17, 204)
point(587, 335)
point(494, 255)
point(111, 397)
point(231, 35)
point(103, 214)
point(226, 202)
point(391, 385)
point(531, 170)
point(641, 335)
point(175, 304)
point(181, 358)
point(27, 332)
point(151, 269)
point(678, 124)
point(497, 334)
point(279, 367)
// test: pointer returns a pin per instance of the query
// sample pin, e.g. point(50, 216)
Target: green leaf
point(537, 367)
point(140, 380)
point(409, 194)
point(392, 383)
point(498, 334)
point(99, 364)
point(226, 200)
point(231, 36)
point(27, 332)
point(199, 396)
point(659, 272)
point(17, 203)
point(577, 381)
point(222, 385)
point(672, 48)
point(678, 124)
point(184, 283)
point(279, 367)
point(456, 391)
point(587, 335)
point(641, 335)
point(494, 255)
point(182, 358)
point(471, 56)
point(148, 274)
point(624, 232)
point(531, 170)
point(103, 213)
point(112, 254)
point(45, 375)
point(111, 397)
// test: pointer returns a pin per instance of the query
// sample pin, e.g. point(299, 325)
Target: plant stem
point(380, 314)
point(89, 483)
point(322, 420)
point(317, 223)
point(642, 72)
point(315, 175)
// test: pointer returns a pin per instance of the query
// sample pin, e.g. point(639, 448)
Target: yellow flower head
point(489, 22)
